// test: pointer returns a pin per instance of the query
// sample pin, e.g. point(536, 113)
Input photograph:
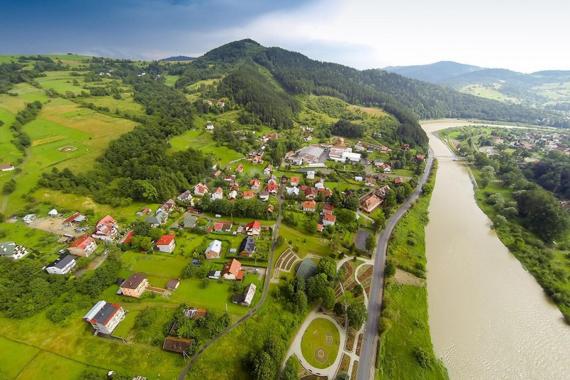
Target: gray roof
point(7, 249)
point(306, 269)
point(247, 245)
point(105, 313)
point(189, 221)
point(62, 262)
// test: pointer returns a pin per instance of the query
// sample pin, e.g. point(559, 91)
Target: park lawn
point(15, 356)
point(202, 140)
point(47, 363)
point(321, 334)
point(408, 331)
point(225, 359)
point(304, 242)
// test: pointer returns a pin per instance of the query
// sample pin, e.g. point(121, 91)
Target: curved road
point(266, 283)
point(370, 343)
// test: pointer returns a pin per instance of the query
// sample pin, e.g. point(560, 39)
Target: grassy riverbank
point(406, 351)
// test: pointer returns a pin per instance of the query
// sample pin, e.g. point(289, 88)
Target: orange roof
point(309, 204)
point(256, 224)
point(81, 242)
point(71, 218)
point(233, 267)
point(329, 217)
point(107, 220)
point(248, 194)
point(165, 240)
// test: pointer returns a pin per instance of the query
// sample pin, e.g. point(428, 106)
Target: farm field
point(201, 140)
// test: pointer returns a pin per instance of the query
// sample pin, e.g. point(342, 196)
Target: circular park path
point(315, 353)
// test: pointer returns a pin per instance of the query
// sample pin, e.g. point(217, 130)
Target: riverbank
point(406, 350)
point(547, 263)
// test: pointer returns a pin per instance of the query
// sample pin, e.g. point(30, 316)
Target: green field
point(320, 343)
point(201, 140)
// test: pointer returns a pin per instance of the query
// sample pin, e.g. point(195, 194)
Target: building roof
point(215, 246)
point(105, 313)
point(165, 240)
point(233, 267)
point(190, 221)
point(134, 281)
point(255, 224)
point(128, 237)
point(174, 344)
point(7, 248)
point(309, 204)
point(62, 262)
point(172, 284)
point(329, 217)
point(247, 245)
point(81, 242)
point(306, 269)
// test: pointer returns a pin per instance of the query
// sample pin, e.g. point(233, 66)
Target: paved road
point(268, 274)
point(370, 343)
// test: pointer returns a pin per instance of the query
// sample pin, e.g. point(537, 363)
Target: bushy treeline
point(552, 173)
point(136, 166)
point(251, 89)
point(241, 208)
point(25, 289)
point(345, 128)
point(29, 113)
point(17, 72)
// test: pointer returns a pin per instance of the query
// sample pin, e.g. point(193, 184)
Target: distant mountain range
point(543, 89)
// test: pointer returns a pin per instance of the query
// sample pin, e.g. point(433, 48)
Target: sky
point(522, 35)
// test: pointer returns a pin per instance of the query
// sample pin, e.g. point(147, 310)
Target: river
point(489, 318)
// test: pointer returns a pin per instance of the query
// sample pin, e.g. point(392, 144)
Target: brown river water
point(489, 318)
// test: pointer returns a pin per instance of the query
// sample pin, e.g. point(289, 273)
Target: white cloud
point(522, 35)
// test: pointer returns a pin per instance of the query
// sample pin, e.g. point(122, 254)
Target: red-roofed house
point(248, 194)
point(200, 190)
point(233, 271)
point(106, 229)
point(253, 228)
point(272, 187)
point(255, 183)
point(398, 181)
point(309, 206)
point(310, 192)
point(222, 226)
point(294, 181)
point(329, 220)
point(128, 237)
point(166, 243)
point(83, 246)
point(74, 218)
point(218, 194)
point(370, 202)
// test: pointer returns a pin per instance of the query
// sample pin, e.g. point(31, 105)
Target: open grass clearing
point(320, 343)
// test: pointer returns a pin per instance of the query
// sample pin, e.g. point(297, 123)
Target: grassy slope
point(406, 305)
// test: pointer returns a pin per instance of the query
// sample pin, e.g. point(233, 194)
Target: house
point(264, 196)
point(398, 181)
point(218, 194)
point(267, 171)
point(246, 298)
point(336, 154)
point(329, 219)
point(128, 237)
point(254, 184)
point(420, 157)
point(311, 174)
point(253, 228)
point(214, 250)
point(233, 271)
point(209, 126)
point(168, 206)
point(293, 191)
point(178, 345)
point(309, 206)
point(294, 181)
point(248, 194)
point(200, 190)
point(382, 192)
point(351, 157)
point(320, 227)
point(12, 250)
point(135, 285)
point(369, 202)
point(190, 221)
point(186, 198)
point(272, 187)
point(173, 284)
point(239, 169)
point(74, 218)
point(320, 185)
point(166, 243)
point(358, 178)
point(232, 194)
point(195, 313)
point(310, 192)
point(6, 167)
point(29, 218)
point(63, 265)
point(157, 219)
point(215, 274)
point(53, 213)
point(104, 317)
point(247, 246)
point(106, 229)
point(222, 226)
point(83, 246)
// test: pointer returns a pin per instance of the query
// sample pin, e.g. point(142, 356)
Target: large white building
point(104, 317)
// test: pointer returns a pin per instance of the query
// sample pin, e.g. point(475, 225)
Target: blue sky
point(524, 35)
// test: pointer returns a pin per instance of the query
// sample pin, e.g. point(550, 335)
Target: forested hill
point(406, 98)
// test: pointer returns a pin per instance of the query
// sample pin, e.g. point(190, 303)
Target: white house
point(209, 126)
point(63, 265)
point(29, 218)
point(53, 212)
point(214, 250)
point(218, 194)
point(311, 174)
point(247, 297)
point(104, 317)
point(166, 243)
point(352, 157)
point(292, 191)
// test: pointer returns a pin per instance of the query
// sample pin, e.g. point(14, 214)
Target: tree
point(542, 214)
point(356, 313)
point(291, 370)
point(328, 298)
point(264, 367)
point(327, 266)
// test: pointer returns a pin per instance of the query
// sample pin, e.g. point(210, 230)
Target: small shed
point(173, 284)
point(53, 212)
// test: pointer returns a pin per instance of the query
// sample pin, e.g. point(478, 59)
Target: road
point(266, 283)
point(366, 365)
